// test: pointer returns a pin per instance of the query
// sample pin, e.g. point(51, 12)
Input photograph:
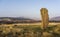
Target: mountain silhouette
point(57, 19)
point(16, 20)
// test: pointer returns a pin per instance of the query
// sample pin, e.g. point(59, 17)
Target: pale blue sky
point(28, 8)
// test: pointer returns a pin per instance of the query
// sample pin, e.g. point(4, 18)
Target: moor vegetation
point(29, 31)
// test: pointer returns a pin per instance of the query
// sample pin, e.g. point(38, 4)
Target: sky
point(29, 8)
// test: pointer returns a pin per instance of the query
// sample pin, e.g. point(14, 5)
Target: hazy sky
point(28, 8)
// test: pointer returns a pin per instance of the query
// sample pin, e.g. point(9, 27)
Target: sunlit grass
point(31, 30)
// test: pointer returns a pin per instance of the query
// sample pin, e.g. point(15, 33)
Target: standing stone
point(45, 17)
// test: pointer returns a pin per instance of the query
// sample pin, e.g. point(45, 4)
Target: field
point(29, 30)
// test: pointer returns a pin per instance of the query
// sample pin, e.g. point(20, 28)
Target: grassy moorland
point(29, 30)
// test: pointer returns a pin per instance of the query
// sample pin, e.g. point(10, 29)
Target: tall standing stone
point(45, 17)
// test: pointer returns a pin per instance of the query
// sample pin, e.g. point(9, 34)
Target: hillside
point(56, 19)
point(16, 20)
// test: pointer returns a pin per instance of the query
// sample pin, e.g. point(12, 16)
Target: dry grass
point(31, 29)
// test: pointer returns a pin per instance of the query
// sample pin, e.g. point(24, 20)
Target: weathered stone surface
point(45, 17)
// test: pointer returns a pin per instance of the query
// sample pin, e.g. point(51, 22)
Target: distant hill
point(56, 19)
point(9, 20)
point(16, 20)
